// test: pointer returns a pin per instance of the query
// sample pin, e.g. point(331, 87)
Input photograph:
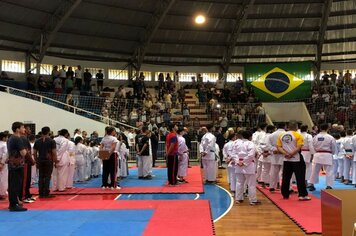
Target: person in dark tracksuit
point(171, 154)
point(17, 152)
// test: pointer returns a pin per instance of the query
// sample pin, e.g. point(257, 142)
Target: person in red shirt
point(171, 154)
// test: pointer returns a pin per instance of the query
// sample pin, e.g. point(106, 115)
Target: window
point(210, 77)
point(118, 74)
point(34, 68)
point(13, 66)
point(187, 77)
point(46, 69)
point(147, 74)
point(233, 77)
point(94, 71)
point(164, 75)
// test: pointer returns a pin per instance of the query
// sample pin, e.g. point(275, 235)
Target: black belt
point(348, 150)
point(212, 151)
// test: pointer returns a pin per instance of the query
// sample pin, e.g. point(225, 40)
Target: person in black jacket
point(220, 140)
point(154, 145)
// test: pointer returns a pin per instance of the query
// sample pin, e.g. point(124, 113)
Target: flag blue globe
point(277, 82)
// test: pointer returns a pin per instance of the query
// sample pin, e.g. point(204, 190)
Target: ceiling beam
point(321, 35)
point(161, 11)
point(239, 22)
point(54, 23)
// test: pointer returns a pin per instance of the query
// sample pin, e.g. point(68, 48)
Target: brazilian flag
point(280, 81)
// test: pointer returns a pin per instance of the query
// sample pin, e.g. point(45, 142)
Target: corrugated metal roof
point(275, 30)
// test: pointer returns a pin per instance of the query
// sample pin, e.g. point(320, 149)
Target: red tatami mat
point(306, 214)
point(194, 185)
point(170, 218)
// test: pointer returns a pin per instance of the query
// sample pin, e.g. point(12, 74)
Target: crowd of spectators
point(226, 104)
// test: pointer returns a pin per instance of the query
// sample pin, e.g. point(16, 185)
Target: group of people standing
point(287, 155)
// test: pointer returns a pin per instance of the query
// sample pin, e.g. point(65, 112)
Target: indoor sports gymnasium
point(178, 117)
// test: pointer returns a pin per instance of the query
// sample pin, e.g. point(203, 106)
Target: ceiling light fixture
point(200, 19)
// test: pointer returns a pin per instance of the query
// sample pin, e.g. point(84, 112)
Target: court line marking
point(197, 196)
point(118, 197)
point(70, 199)
point(229, 208)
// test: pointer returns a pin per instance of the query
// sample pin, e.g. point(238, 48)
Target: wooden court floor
point(263, 220)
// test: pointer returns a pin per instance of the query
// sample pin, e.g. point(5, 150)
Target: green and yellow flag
point(280, 81)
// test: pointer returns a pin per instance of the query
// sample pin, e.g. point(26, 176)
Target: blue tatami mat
point(322, 185)
point(74, 222)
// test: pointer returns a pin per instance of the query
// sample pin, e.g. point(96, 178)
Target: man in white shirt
point(207, 152)
point(325, 147)
point(79, 77)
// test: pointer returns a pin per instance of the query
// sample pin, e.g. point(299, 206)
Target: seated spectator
point(31, 81)
point(3, 75)
point(42, 84)
point(57, 83)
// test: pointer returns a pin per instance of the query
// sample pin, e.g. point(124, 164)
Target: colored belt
point(324, 152)
point(212, 151)
point(348, 150)
point(244, 159)
point(306, 150)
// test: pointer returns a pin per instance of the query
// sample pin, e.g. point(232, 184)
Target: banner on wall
point(280, 81)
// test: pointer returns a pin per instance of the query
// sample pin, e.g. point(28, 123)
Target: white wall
point(284, 112)
point(15, 108)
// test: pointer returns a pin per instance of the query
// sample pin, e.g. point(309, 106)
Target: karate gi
point(258, 139)
point(123, 153)
point(307, 152)
point(183, 156)
point(4, 171)
point(354, 160)
point(207, 149)
point(60, 172)
point(265, 150)
point(338, 166)
point(227, 155)
point(276, 159)
point(325, 147)
point(246, 173)
point(71, 166)
point(96, 164)
point(80, 162)
point(348, 157)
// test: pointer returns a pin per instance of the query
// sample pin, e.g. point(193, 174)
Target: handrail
point(75, 109)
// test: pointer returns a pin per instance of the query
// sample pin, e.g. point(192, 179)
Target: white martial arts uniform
point(80, 162)
point(307, 151)
point(227, 154)
point(265, 158)
point(246, 173)
point(34, 169)
point(207, 148)
point(88, 162)
point(325, 147)
point(277, 159)
point(96, 164)
point(341, 155)
point(60, 172)
point(71, 166)
point(354, 160)
point(123, 153)
point(183, 155)
point(336, 159)
point(348, 157)
point(258, 139)
point(4, 171)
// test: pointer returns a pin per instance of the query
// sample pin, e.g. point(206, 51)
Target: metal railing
point(56, 101)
